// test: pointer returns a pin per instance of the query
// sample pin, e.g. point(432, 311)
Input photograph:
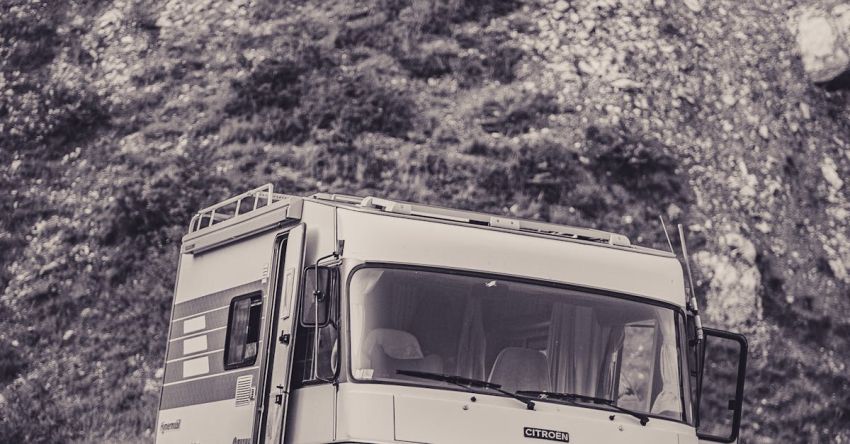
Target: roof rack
point(235, 206)
point(481, 219)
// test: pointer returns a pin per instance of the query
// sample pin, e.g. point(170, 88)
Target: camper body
point(331, 318)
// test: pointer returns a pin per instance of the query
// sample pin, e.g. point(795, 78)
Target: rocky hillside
point(120, 118)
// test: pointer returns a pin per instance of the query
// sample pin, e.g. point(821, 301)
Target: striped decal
point(215, 300)
point(196, 366)
point(214, 340)
point(195, 344)
point(212, 320)
point(211, 389)
point(192, 325)
point(174, 371)
point(194, 369)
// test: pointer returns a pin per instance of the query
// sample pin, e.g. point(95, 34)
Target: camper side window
point(243, 331)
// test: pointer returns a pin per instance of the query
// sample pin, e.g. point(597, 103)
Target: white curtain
point(362, 286)
point(473, 342)
point(560, 349)
point(578, 349)
point(404, 301)
point(668, 399)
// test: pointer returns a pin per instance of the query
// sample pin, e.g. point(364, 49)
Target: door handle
point(278, 397)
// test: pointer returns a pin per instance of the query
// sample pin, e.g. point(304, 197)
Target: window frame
point(655, 350)
point(228, 335)
point(677, 311)
point(739, 388)
point(333, 319)
point(333, 290)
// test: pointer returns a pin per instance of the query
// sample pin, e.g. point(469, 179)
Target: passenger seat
point(519, 368)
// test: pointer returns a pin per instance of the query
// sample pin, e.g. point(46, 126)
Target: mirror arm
point(318, 297)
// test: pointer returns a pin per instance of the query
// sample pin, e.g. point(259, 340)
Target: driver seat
point(389, 350)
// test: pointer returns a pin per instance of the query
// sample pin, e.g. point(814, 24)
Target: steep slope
point(118, 119)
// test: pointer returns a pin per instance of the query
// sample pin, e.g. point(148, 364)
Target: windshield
point(522, 336)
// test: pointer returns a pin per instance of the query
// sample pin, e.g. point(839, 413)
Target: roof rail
point(481, 219)
point(344, 198)
point(262, 197)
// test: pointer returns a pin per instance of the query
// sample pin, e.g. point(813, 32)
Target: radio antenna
point(667, 235)
point(693, 302)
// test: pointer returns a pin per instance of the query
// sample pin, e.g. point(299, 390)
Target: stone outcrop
point(823, 39)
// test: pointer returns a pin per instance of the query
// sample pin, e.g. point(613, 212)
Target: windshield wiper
point(573, 398)
point(466, 383)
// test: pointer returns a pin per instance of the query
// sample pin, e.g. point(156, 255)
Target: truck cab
point(334, 318)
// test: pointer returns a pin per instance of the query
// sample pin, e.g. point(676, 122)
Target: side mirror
point(721, 390)
point(317, 299)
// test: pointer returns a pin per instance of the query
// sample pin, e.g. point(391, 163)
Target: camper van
point(340, 319)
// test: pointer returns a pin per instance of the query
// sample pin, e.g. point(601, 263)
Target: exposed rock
point(626, 84)
point(694, 5)
point(823, 39)
point(586, 68)
point(830, 174)
point(732, 297)
point(163, 22)
point(48, 268)
point(740, 246)
point(673, 212)
point(561, 6)
point(805, 111)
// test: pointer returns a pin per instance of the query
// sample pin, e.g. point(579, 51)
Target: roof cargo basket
point(235, 206)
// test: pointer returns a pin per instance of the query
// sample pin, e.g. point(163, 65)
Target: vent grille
point(244, 390)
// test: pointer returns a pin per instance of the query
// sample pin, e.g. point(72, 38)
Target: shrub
point(513, 112)
point(345, 101)
point(11, 362)
point(29, 31)
point(432, 59)
point(359, 101)
point(483, 10)
point(550, 170)
point(643, 166)
point(279, 82)
point(471, 57)
point(44, 121)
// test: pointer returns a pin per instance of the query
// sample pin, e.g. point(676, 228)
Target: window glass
point(314, 363)
point(636, 369)
point(520, 335)
point(719, 385)
point(243, 331)
point(316, 302)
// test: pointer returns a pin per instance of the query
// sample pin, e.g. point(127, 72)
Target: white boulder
point(823, 39)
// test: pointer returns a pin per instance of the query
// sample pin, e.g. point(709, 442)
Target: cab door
point(222, 335)
point(283, 325)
